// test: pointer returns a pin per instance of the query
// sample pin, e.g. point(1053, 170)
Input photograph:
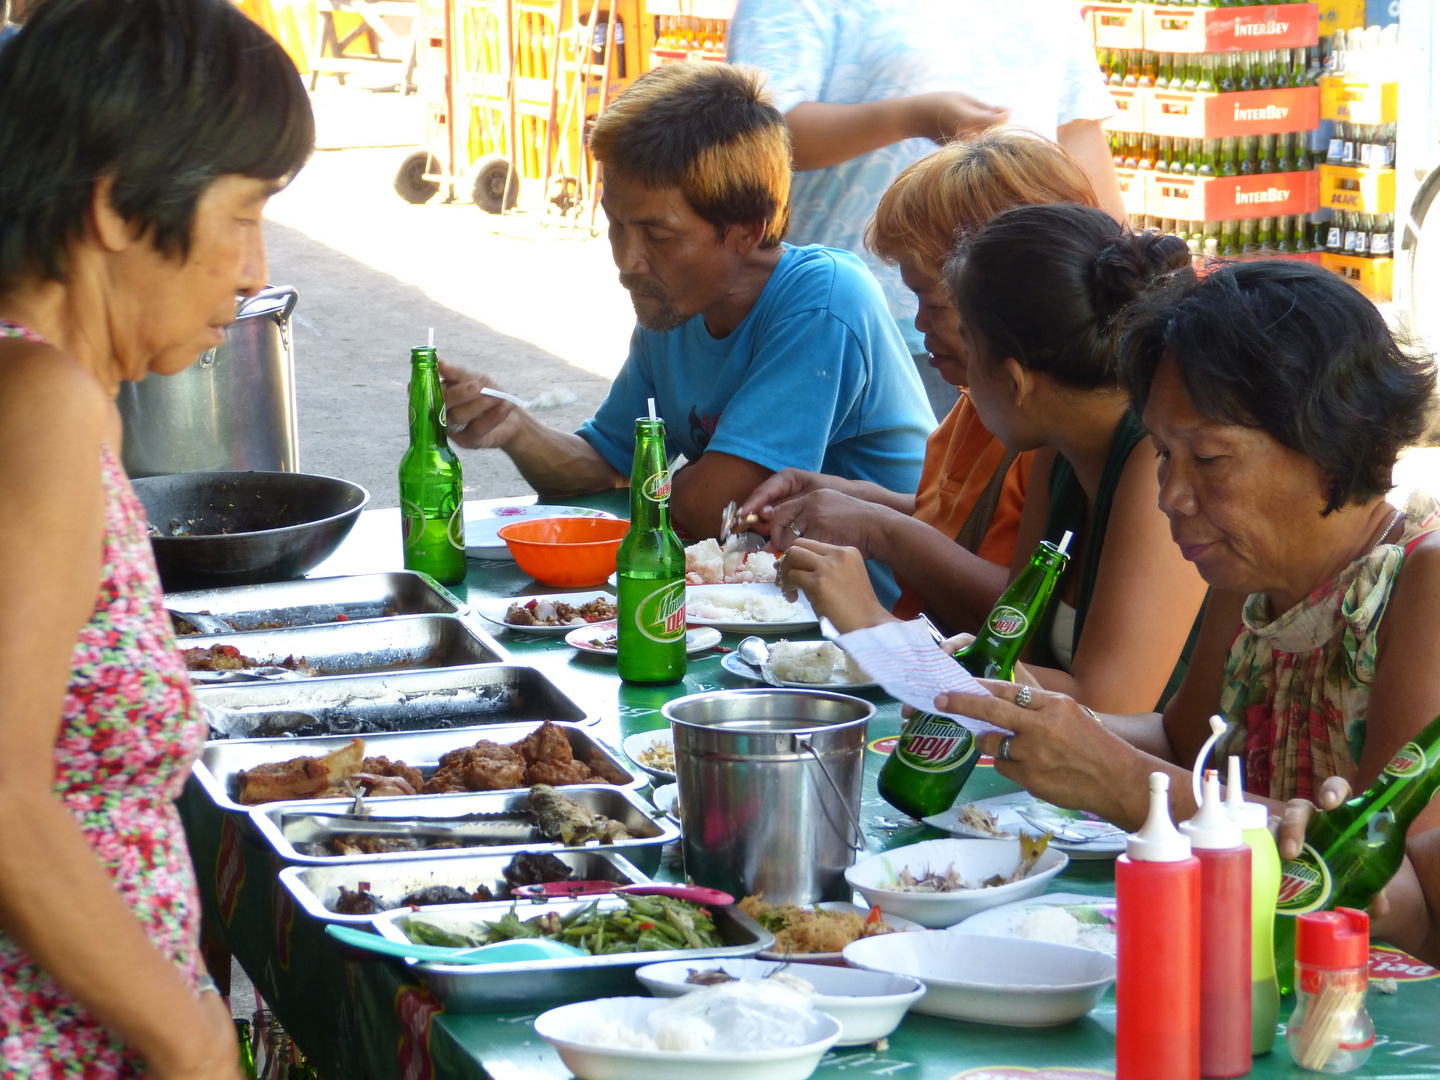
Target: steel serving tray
point(368, 647)
point(316, 888)
point(368, 705)
point(651, 829)
point(470, 988)
point(310, 601)
point(223, 759)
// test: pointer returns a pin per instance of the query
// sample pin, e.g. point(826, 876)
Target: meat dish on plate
point(558, 613)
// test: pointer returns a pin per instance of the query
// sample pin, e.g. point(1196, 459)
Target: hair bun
point(1126, 268)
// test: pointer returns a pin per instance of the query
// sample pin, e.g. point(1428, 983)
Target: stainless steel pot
point(770, 790)
point(232, 410)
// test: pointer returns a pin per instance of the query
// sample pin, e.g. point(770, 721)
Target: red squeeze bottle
point(1157, 988)
point(1225, 922)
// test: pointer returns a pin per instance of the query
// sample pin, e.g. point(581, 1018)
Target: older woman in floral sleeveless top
point(140, 141)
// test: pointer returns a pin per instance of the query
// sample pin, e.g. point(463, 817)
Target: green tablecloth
point(360, 1017)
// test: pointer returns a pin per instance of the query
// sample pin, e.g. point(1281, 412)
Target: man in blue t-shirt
point(758, 355)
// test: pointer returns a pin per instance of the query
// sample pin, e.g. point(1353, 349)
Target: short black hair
point(164, 96)
point(1048, 285)
point(1291, 349)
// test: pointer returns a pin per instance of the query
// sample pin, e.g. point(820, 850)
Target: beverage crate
point(1249, 112)
point(1375, 195)
point(1221, 198)
point(696, 9)
point(1134, 187)
point(1358, 102)
point(1374, 277)
point(1118, 26)
point(1130, 106)
point(1198, 30)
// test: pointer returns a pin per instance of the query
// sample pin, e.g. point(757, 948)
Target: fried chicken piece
point(546, 743)
point(383, 766)
point(446, 782)
point(603, 770)
point(299, 778)
point(216, 658)
point(484, 748)
point(557, 774)
point(493, 774)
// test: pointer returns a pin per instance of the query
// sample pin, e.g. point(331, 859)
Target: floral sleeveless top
point(1296, 689)
point(129, 732)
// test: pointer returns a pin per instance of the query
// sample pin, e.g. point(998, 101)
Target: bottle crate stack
point(1219, 109)
point(1357, 176)
point(688, 29)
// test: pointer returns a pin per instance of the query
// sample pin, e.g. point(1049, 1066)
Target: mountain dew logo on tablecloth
point(657, 487)
point(1408, 762)
point(935, 744)
point(660, 616)
point(1305, 883)
point(1007, 622)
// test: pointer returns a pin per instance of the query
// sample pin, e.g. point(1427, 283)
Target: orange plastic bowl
point(568, 552)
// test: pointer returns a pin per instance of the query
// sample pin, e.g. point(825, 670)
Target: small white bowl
point(635, 744)
point(991, 980)
point(564, 1027)
point(974, 860)
point(868, 1004)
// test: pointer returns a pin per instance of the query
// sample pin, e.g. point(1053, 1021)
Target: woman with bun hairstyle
point(1040, 292)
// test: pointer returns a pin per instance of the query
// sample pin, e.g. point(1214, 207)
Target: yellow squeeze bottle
point(1253, 819)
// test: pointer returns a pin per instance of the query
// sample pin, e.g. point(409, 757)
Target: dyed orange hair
point(710, 130)
point(964, 184)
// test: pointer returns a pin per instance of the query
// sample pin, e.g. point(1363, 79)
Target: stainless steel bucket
point(232, 410)
point(770, 790)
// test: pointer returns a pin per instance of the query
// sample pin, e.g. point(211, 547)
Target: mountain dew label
point(1007, 622)
point(660, 614)
point(1305, 883)
point(657, 487)
point(455, 530)
point(935, 744)
point(1408, 762)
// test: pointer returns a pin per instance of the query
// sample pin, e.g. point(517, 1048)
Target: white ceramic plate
point(1108, 843)
point(898, 924)
point(732, 663)
point(804, 618)
point(493, 611)
point(667, 797)
point(566, 1028)
point(1094, 914)
point(868, 1004)
point(974, 861)
point(589, 638)
point(635, 744)
point(483, 523)
point(991, 980)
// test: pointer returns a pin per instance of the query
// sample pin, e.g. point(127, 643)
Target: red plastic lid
point(1333, 939)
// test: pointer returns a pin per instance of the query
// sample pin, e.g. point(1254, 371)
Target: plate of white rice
point(803, 665)
point(758, 608)
point(1061, 918)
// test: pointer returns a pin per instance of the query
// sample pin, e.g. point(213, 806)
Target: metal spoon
point(754, 652)
point(204, 622)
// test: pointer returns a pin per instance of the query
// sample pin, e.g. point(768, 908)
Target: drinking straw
point(652, 408)
point(430, 339)
point(490, 391)
point(1065, 541)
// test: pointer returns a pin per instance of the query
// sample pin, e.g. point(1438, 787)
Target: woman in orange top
point(971, 489)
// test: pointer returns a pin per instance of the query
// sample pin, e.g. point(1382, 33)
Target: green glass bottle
point(1190, 82)
point(247, 1048)
point(1229, 238)
point(1302, 234)
point(1265, 154)
point(1248, 243)
point(935, 755)
point(1206, 83)
point(1209, 158)
point(1132, 69)
point(1285, 152)
point(1229, 156)
point(1167, 71)
point(1227, 79)
point(432, 493)
point(1192, 157)
point(1248, 63)
point(1149, 69)
point(650, 571)
point(1249, 155)
point(1265, 234)
point(1352, 851)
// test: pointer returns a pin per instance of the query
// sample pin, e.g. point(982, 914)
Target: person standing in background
point(869, 87)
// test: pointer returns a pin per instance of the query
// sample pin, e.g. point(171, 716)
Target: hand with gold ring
point(830, 517)
point(1056, 751)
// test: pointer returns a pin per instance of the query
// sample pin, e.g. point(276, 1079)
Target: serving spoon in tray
point(500, 952)
point(307, 828)
point(564, 890)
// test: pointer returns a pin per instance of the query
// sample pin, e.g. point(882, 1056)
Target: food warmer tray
point(651, 829)
point(315, 888)
point(473, 988)
point(374, 704)
point(368, 647)
point(311, 601)
point(223, 759)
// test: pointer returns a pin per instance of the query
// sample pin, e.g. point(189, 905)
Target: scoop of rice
point(804, 661)
point(853, 671)
point(743, 566)
point(683, 1033)
point(704, 564)
point(734, 608)
point(1051, 924)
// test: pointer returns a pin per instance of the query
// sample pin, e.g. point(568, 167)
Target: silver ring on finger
point(1022, 698)
point(1003, 753)
point(794, 529)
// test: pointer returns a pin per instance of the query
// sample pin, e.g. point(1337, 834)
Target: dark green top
point(1067, 511)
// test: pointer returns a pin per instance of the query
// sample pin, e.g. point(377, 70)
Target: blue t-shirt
point(815, 377)
point(1034, 58)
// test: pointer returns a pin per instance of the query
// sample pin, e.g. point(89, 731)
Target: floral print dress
point(129, 733)
point(1296, 690)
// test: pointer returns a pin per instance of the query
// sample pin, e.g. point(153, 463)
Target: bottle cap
point(1248, 815)
point(1212, 828)
point(1333, 939)
point(1157, 840)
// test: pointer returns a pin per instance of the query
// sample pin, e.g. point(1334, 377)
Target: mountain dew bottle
point(1352, 851)
point(935, 755)
point(650, 571)
point(432, 494)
